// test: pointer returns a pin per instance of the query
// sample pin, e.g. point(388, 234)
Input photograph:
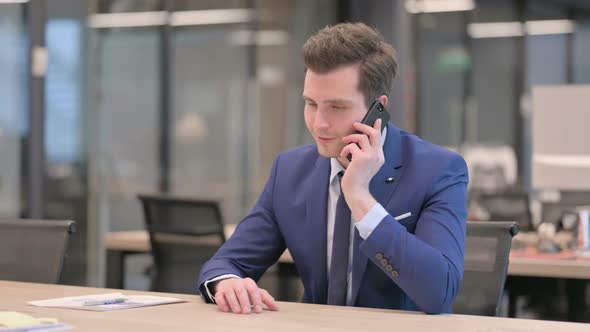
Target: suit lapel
point(382, 187)
point(317, 200)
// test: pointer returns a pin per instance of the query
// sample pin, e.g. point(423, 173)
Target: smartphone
point(376, 111)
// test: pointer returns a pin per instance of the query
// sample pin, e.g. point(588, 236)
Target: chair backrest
point(33, 250)
point(184, 234)
point(513, 206)
point(487, 251)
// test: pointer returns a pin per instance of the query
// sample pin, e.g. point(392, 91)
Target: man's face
point(333, 103)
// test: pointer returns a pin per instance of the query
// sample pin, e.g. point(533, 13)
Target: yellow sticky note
point(13, 319)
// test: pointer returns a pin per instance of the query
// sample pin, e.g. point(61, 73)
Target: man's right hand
point(241, 296)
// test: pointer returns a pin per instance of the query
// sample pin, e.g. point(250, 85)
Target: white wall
point(561, 144)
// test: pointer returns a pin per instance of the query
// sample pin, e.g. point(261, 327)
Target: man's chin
point(328, 153)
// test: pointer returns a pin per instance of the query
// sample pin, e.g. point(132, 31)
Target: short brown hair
point(354, 43)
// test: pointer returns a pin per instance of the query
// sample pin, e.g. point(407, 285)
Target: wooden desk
point(196, 315)
point(575, 272)
point(121, 244)
point(139, 242)
point(549, 268)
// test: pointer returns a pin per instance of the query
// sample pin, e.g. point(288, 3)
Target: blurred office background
point(103, 99)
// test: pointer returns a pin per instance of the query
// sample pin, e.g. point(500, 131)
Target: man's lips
point(325, 139)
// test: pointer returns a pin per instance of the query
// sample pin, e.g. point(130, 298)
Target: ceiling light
point(438, 6)
point(495, 30)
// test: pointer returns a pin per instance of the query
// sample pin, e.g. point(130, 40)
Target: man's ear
point(383, 99)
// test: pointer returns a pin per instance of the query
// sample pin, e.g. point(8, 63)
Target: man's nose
point(321, 120)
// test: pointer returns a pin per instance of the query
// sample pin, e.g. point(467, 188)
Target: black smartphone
point(376, 111)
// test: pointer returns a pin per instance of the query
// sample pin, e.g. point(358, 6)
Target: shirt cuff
point(221, 277)
point(371, 220)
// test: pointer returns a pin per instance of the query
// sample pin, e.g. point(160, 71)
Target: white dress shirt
point(369, 222)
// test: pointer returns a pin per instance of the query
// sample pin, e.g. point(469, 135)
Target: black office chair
point(487, 251)
point(511, 205)
point(184, 234)
point(33, 250)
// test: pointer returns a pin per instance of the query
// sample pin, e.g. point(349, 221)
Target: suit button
point(384, 262)
point(394, 274)
point(379, 256)
point(389, 268)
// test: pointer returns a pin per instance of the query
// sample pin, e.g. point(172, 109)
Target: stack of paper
point(105, 302)
point(12, 321)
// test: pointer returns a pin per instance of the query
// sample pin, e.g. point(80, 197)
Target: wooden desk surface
point(138, 241)
point(196, 315)
point(549, 268)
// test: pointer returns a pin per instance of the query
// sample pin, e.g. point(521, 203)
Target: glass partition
point(13, 108)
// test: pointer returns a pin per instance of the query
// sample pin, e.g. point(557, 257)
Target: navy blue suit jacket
point(413, 264)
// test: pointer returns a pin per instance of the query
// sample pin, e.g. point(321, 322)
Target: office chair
point(33, 250)
point(487, 250)
point(508, 206)
point(184, 234)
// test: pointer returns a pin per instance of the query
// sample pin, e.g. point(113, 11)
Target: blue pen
point(104, 302)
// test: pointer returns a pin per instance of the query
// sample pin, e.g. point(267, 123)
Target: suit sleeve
point(256, 244)
point(427, 265)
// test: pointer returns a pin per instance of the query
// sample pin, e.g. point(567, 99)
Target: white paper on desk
point(133, 301)
point(45, 328)
point(13, 321)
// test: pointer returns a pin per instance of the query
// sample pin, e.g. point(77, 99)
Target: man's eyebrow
point(331, 101)
point(338, 101)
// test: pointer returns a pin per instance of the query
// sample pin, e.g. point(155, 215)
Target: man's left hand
point(367, 159)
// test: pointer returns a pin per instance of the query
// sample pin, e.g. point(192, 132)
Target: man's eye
point(310, 103)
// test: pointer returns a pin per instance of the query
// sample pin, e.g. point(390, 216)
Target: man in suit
point(384, 230)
